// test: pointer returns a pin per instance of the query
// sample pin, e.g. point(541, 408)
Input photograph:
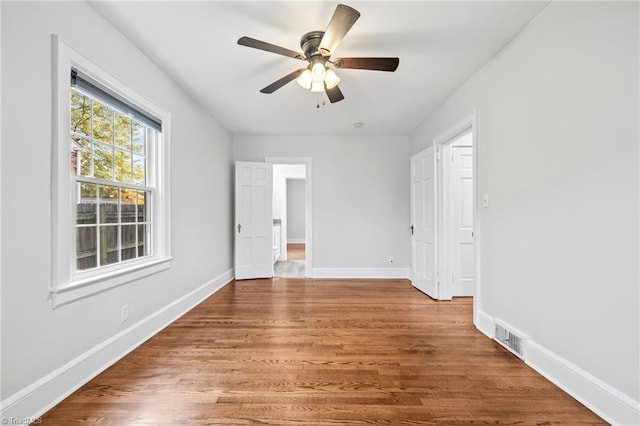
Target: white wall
point(360, 194)
point(295, 210)
point(558, 141)
point(36, 339)
point(282, 172)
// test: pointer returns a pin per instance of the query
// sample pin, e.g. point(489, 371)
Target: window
point(109, 166)
point(110, 182)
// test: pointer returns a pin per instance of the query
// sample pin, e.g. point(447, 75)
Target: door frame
point(442, 141)
point(308, 206)
point(446, 213)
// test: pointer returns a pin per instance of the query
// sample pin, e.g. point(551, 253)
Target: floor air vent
point(509, 340)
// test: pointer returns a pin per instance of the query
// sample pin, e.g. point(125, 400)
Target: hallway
point(295, 265)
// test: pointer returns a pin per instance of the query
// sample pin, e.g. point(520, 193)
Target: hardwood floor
point(323, 352)
point(295, 251)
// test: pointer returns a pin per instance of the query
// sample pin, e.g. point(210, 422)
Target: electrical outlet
point(392, 259)
point(125, 313)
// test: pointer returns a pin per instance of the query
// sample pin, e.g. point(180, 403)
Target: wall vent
point(510, 340)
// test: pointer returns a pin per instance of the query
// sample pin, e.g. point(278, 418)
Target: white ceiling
point(440, 45)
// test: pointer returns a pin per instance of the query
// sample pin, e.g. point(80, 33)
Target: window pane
point(108, 245)
point(86, 207)
point(80, 156)
point(86, 256)
point(108, 204)
point(80, 114)
point(123, 131)
point(102, 123)
point(127, 205)
point(143, 206)
point(128, 239)
point(123, 166)
point(144, 247)
point(138, 134)
point(103, 161)
point(139, 167)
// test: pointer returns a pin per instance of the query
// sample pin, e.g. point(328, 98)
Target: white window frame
point(68, 285)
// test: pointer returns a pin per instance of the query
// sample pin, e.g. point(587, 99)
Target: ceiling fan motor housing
point(310, 43)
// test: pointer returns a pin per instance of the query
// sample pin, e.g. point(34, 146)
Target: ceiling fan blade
point(263, 45)
point(335, 95)
point(341, 22)
point(375, 64)
point(281, 82)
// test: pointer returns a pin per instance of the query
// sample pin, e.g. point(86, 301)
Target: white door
point(254, 223)
point(423, 222)
point(461, 220)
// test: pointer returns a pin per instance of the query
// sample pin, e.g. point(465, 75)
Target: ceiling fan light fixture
point(331, 79)
point(305, 79)
point(318, 71)
point(317, 86)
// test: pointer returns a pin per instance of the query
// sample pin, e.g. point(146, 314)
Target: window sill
point(86, 287)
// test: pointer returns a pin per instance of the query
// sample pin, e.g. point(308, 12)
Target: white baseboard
point(601, 398)
point(367, 273)
point(39, 397)
point(485, 324)
point(295, 240)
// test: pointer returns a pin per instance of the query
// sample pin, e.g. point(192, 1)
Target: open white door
point(423, 222)
point(254, 223)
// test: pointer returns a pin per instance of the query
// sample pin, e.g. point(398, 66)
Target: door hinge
point(437, 155)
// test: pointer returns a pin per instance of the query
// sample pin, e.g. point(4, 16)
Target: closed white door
point(423, 222)
point(461, 220)
point(253, 220)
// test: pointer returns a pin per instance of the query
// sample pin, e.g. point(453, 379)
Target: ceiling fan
point(317, 47)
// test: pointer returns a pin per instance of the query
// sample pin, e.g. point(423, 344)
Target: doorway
point(444, 215)
point(456, 227)
point(292, 217)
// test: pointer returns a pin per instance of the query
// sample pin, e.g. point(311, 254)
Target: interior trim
point(601, 398)
point(367, 273)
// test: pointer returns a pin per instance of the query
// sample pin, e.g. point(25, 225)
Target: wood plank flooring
point(320, 352)
point(295, 251)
